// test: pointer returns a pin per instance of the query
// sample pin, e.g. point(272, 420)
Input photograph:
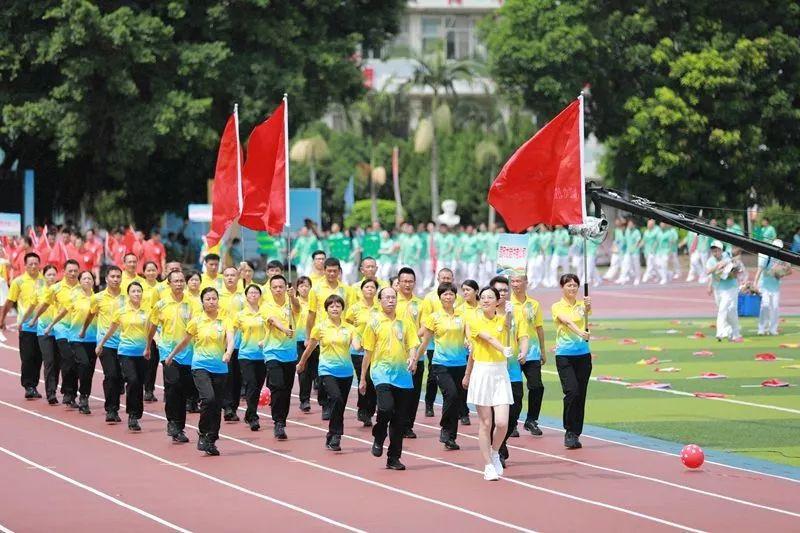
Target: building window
point(431, 34)
point(459, 37)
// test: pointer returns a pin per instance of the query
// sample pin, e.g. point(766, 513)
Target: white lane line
point(185, 468)
point(94, 491)
point(4, 529)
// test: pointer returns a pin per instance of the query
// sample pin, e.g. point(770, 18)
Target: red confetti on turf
point(628, 341)
point(703, 353)
point(767, 356)
point(774, 383)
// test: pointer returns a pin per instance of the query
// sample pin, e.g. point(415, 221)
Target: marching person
point(51, 359)
point(768, 280)
point(231, 302)
point(131, 321)
point(212, 341)
point(410, 306)
point(723, 271)
point(650, 239)
point(363, 310)
point(447, 326)
point(150, 297)
point(252, 327)
point(170, 316)
point(573, 357)
point(487, 379)
point(389, 344)
point(430, 304)
point(335, 339)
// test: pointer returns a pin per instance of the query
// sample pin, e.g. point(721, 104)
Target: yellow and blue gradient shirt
point(171, 317)
point(359, 314)
point(389, 341)
point(320, 292)
point(277, 346)
point(78, 309)
point(334, 348)
point(449, 336)
point(150, 293)
point(46, 317)
point(127, 279)
point(132, 325)
point(528, 315)
point(482, 351)
point(104, 305)
point(568, 343)
point(60, 295)
point(209, 342)
point(230, 304)
point(410, 308)
point(301, 318)
point(252, 326)
point(217, 282)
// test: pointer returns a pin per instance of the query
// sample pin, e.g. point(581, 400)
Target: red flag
point(265, 180)
point(226, 201)
point(34, 238)
point(43, 247)
point(58, 255)
point(543, 181)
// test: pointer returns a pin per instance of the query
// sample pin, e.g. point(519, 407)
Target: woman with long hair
point(364, 309)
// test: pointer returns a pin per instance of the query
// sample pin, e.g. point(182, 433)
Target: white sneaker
point(498, 466)
point(490, 474)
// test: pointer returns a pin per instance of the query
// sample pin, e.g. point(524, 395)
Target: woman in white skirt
point(486, 379)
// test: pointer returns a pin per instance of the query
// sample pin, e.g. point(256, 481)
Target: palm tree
point(310, 151)
point(437, 73)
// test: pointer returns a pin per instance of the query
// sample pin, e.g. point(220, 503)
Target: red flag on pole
point(226, 203)
point(43, 247)
point(265, 179)
point(543, 181)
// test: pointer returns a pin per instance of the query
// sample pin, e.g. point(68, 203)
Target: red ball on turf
point(692, 456)
point(265, 398)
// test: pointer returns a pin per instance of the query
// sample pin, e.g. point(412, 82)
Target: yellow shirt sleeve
point(315, 333)
point(411, 340)
point(13, 292)
point(312, 301)
point(191, 327)
point(369, 337)
point(429, 323)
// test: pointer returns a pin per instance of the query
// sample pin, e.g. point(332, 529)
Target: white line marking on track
point(4, 529)
point(94, 491)
point(185, 468)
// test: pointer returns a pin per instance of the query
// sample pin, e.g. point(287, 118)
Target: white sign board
point(200, 212)
point(10, 224)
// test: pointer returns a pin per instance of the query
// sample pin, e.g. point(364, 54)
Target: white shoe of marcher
point(490, 474)
point(498, 466)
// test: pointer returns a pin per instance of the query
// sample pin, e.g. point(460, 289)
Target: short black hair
point(368, 258)
point(318, 252)
point(48, 268)
point(134, 284)
point(206, 291)
point(446, 287)
point(498, 279)
point(490, 288)
point(71, 262)
point(210, 257)
point(332, 262)
point(566, 278)
point(113, 268)
point(363, 283)
point(303, 279)
point(332, 299)
point(31, 254)
point(194, 273)
point(274, 264)
point(278, 277)
point(149, 263)
point(407, 270)
point(471, 283)
point(171, 272)
point(253, 286)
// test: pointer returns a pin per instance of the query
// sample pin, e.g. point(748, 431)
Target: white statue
point(448, 216)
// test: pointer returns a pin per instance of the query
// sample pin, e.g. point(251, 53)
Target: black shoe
point(84, 409)
point(429, 411)
point(444, 436)
point(515, 433)
point(451, 445)
point(71, 403)
point(36, 393)
point(326, 413)
point(133, 424)
point(571, 441)
point(377, 448)
point(231, 416)
point(409, 434)
point(360, 415)
point(180, 437)
point(211, 449)
point(52, 400)
point(150, 397)
point(29, 394)
point(334, 443)
point(172, 429)
point(202, 442)
point(395, 464)
point(503, 453)
point(368, 422)
point(280, 432)
point(503, 461)
point(110, 418)
point(254, 425)
point(465, 420)
point(533, 427)
point(116, 417)
point(305, 406)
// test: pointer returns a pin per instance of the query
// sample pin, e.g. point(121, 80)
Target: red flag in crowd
point(58, 255)
point(543, 181)
point(265, 179)
point(226, 202)
point(33, 237)
point(43, 246)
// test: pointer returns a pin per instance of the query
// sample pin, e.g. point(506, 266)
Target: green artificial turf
point(742, 429)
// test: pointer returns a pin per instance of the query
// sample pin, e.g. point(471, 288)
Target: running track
point(63, 470)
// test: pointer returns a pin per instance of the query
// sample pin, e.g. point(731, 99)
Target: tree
point(310, 151)
point(696, 104)
point(133, 95)
point(435, 72)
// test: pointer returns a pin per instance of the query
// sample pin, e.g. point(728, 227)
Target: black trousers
point(233, 385)
point(337, 390)
point(306, 377)
point(416, 393)
point(393, 416)
point(152, 368)
point(211, 388)
point(254, 372)
point(280, 380)
point(134, 369)
point(574, 373)
point(366, 402)
point(30, 356)
point(430, 383)
point(178, 384)
point(85, 360)
point(51, 361)
point(513, 415)
point(112, 379)
point(69, 369)
point(453, 395)
point(533, 375)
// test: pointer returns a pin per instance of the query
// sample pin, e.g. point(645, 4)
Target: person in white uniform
point(768, 280)
point(723, 271)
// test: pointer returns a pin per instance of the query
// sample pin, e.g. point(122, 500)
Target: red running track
point(74, 470)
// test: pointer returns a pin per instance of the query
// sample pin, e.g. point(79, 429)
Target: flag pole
point(583, 204)
point(287, 222)
point(239, 177)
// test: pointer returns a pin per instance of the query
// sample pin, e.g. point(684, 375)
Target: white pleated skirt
point(489, 385)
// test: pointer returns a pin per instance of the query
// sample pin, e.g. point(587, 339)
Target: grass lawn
point(760, 432)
